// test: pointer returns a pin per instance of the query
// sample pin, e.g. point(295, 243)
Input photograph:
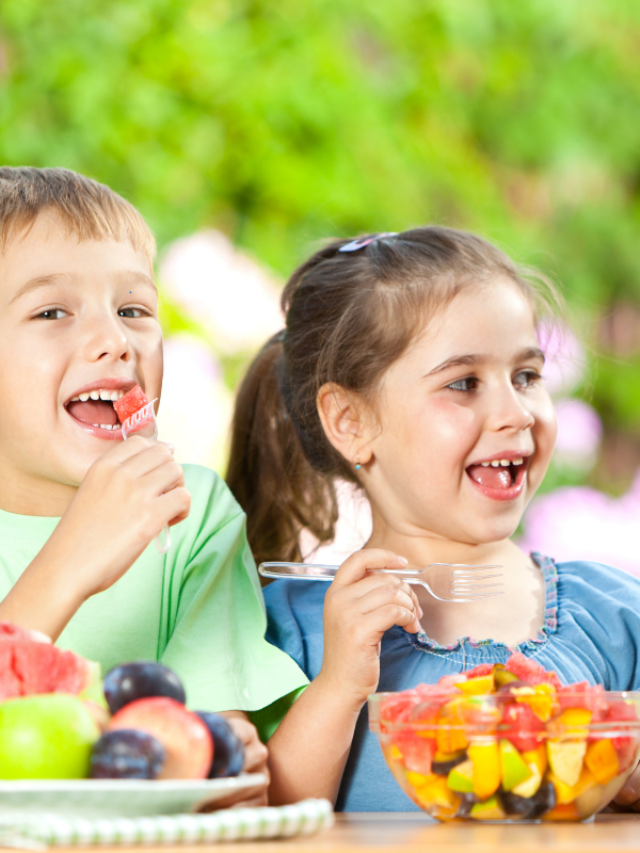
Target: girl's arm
point(309, 750)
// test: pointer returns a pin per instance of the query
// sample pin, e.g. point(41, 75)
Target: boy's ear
point(347, 422)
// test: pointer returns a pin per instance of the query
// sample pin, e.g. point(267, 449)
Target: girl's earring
point(358, 466)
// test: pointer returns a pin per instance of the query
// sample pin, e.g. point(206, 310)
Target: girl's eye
point(51, 314)
point(132, 313)
point(526, 378)
point(469, 383)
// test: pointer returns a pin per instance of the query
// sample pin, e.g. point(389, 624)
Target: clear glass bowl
point(502, 757)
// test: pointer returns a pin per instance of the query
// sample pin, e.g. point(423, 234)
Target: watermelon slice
point(30, 665)
point(130, 403)
point(530, 671)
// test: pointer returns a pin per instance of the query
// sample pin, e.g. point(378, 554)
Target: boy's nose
point(106, 340)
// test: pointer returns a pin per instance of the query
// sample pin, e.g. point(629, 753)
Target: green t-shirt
point(198, 608)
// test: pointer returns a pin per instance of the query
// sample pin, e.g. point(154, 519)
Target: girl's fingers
point(383, 596)
point(355, 567)
point(374, 624)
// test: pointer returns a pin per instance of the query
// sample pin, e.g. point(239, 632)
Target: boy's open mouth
point(94, 410)
point(500, 477)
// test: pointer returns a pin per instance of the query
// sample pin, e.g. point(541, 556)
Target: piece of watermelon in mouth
point(493, 478)
point(131, 403)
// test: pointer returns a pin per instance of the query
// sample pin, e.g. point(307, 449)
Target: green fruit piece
point(514, 768)
point(530, 786)
point(565, 759)
point(48, 736)
point(460, 779)
point(93, 691)
point(489, 810)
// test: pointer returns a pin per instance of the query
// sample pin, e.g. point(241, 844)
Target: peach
point(185, 737)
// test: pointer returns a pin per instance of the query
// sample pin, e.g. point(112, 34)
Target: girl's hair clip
point(360, 243)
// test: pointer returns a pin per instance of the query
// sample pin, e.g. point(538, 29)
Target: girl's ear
point(347, 422)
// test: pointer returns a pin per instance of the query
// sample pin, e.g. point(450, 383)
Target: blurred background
point(247, 131)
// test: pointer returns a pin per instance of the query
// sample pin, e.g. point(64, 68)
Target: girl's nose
point(509, 411)
point(106, 339)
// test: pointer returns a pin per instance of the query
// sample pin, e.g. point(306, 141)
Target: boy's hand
point(359, 607)
point(124, 501)
point(255, 761)
point(126, 498)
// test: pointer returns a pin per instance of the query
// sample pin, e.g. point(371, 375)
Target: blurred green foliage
point(282, 123)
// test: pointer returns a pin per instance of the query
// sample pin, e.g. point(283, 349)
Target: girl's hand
point(255, 761)
point(359, 607)
point(629, 796)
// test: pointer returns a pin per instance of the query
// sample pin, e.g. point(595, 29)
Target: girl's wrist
point(333, 690)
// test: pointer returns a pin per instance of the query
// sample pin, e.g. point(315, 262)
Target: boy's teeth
point(98, 394)
point(95, 395)
point(105, 395)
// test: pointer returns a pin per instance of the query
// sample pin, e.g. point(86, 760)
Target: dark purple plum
point(443, 766)
point(128, 682)
point(127, 754)
point(228, 751)
point(530, 808)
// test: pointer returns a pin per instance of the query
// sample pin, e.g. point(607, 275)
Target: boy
point(79, 508)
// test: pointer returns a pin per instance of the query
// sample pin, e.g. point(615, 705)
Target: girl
point(410, 366)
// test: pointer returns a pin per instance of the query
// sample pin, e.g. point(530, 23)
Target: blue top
point(591, 633)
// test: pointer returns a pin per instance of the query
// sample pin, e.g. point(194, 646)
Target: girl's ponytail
point(268, 473)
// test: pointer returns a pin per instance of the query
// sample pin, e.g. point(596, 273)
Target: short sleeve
point(599, 621)
point(214, 634)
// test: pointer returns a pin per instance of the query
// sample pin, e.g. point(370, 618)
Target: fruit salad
point(58, 721)
point(508, 742)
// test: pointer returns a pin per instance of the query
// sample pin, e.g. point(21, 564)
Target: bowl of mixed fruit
point(508, 742)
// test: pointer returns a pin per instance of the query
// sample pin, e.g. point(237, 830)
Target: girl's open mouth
point(500, 479)
point(94, 412)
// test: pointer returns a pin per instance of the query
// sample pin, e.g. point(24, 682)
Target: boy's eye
point(51, 314)
point(469, 383)
point(525, 378)
point(132, 313)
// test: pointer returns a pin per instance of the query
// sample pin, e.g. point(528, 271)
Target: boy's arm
point(126, 498)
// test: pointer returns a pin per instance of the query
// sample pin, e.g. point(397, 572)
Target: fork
point(459, 582)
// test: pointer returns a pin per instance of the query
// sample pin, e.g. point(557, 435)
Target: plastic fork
point(144, 423)
point(458, 582)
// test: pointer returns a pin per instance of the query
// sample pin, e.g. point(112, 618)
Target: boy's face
point(75, 317)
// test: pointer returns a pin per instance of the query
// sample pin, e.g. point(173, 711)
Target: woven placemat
point(37, 831)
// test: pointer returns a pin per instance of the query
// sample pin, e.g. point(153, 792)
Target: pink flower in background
point(196, 406)
point(579, 523)
point(579, 434)
point(565, 360)
point(223, 289)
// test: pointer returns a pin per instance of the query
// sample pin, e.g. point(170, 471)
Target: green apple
point(514, 768)
point(461, 778)
point(47, 736)
point(488, 810)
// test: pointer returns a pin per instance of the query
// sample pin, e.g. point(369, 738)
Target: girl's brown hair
point(349, 316)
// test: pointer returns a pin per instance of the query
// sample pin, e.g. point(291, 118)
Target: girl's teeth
point(518, 461)
point(495, 463)
point(485, 464)
point(505, 463)
point(84, 397)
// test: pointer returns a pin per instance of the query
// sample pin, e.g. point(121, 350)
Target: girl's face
point(466, 427)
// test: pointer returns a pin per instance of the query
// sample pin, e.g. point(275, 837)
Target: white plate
point(117, 797)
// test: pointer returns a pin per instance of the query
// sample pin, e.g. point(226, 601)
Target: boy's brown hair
point(87, 208)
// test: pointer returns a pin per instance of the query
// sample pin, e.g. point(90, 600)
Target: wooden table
point(411, 832)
